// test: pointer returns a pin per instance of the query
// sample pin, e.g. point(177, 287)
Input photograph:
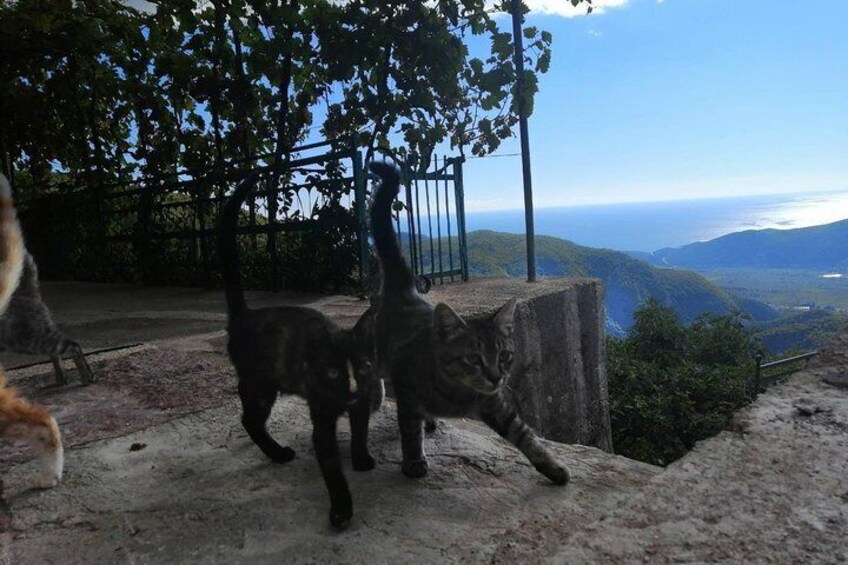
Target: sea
point(649, 226)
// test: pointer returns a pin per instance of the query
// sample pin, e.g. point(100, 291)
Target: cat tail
point(228, 246)
point(397, 278)
point(12, 250)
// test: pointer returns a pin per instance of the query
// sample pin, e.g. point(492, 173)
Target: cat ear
point(448, 324)
point(504, 320)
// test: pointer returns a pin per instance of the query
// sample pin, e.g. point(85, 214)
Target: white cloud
point(564, 7)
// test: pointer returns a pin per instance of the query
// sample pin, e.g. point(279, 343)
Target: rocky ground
point(168, 476)
point(196, 490)
point(775, 490)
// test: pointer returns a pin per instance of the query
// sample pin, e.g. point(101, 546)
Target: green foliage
point(99, 91)
point(672, 385)
point(800, 332)
point(95, 93)
point(656, 335)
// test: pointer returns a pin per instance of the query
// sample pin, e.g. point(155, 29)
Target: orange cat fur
point(20, 419)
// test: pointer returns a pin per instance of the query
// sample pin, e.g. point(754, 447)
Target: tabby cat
point(18, 418)
point(298, 350)
point(28, 327)
point(441, 365)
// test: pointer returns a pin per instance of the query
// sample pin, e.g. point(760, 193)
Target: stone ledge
point(559, 381)
point(201, 492)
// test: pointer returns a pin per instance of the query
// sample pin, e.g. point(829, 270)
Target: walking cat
point(298, 350)
point(28, 327)
point(441, 365)
point(20, 419)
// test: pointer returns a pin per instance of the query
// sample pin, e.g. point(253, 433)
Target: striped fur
point(28, 327)
point(440, 364)
point(20, 419)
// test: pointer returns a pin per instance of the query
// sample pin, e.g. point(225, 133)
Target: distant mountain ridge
point(628, 282)
point(822, 247)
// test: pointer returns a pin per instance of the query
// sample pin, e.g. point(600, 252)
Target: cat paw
point(430, 425)
point(363, 462)
point(340, 516)
point(414, 469)
point(281, 454)
point(44, 481)
point(558, 474)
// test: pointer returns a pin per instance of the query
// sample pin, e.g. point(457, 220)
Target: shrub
point(671, 385)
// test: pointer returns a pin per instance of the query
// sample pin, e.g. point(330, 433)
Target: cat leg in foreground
point(28, 422)
point(509, 425)
point(257, 402)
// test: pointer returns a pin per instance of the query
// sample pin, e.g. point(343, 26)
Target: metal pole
point(525, 141)
point(757, 374)
point(361, 206)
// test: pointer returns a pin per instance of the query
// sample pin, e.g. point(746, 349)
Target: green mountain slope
point(801, 331)
point(628, 281)
point(818, 247)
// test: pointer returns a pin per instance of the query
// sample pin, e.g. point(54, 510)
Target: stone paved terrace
point(177, 481)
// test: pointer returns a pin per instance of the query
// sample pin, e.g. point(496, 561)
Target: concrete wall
point(558, 381)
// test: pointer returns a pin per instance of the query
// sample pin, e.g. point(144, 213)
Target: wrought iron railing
point(304, 228)
point(431, 222)
point(789, 365)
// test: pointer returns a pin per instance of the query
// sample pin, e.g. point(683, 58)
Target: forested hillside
point(628, 282)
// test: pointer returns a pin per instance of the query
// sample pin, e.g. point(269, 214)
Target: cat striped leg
point(411, 423)
point(502, 418)
point(61, 377)
point(86, 375)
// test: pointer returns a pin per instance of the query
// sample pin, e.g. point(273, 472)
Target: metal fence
point(765, 374)
point(304, 228)
point(431, 222)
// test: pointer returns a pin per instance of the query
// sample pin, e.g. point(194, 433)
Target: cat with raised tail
point(19, 419)
point(297, 350)
point(440, 364)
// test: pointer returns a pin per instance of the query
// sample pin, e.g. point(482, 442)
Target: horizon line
point(538, 207)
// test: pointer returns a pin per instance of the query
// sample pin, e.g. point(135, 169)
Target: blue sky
point(674, 99)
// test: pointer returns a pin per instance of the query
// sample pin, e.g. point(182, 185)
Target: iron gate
point(430, 222)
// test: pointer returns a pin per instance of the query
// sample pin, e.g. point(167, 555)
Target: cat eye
point(474, 359)
point(505, 357)
point(333, 373)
